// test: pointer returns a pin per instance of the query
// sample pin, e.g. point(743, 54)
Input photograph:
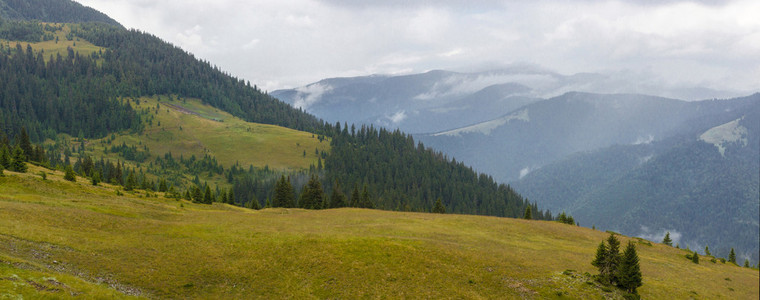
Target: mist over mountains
point(439, 100)
point(630, 162)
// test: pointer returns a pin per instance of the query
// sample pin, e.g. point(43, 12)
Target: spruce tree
point(207, 199)
point(746, 263)
point(666, 240)
point(197, 195)
point(69, 174)
point(254, 203)
point(5, 157)
point(732, 256)
point(337, 198)
point(355, 197)
point(629, 272)
point(95, 178)
point(25, 144)
point(439, 208)
point(707, 250)
point(528, 214)
point(695, 257)
point(599, 259)
point(612, 261)
point(283, 194)
point(18, 164)
point(366, 202)
point(231, 198)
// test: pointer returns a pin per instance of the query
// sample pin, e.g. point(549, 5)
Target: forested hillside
point(98, 92)
point(79, 93)
point(52, 11)
point(405, 176)
point(702, 185)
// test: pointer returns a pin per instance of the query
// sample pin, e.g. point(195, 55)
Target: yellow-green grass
point(157, 247)
point(189, 127)
point(61, 47)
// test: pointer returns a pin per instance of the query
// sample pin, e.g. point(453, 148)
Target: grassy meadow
point(53, 47)
point(189, 127)
point(62, 240)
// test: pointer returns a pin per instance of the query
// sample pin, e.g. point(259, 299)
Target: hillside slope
point(156, 247)
point(56, 11)
point(702, 186)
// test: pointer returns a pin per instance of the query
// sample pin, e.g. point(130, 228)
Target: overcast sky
point(285, 44)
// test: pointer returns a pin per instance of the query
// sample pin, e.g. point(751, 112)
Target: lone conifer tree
point(732, 256)
point(69, 174)
point(695, 257)
point(439, 208)
point(528, 214)
point(707, 250)
point(629, 272)
point(667, 240)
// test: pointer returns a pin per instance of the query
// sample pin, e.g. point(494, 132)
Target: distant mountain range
point(438, 100)
point(634, 163)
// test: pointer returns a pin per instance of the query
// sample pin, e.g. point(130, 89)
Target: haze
point(285, 44)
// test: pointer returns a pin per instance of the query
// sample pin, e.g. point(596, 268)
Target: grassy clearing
point(60, 47)
point(189, 127)
point(164, 248)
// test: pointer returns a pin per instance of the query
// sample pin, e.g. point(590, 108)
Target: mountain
point(72, 240)
point(439, 100)
point(54, 11)
point(545, 131)
point(112, 88)
point(702, 185)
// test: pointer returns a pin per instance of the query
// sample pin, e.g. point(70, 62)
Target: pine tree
point(707, 250)
point(207, 199)
point(254, 203)
point(439, 208)
point(366, 202)
point(629, 272)
point(337, 198)
point(746, 263)
point(18, 164)
point(612, 261)
point(5, 157)
point(599, 259)
point(666, 240)
point(312, 194)
point(283, 194)
point(695, 257)
point(355, 197)
point(131, 181)
point(69, 174)
point(25, 144)
point(231, 198)
point(732, 256)
point(197, 194)
point(528, 214)
point(95, 178)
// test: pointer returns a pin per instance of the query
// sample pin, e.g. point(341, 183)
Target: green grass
point(214, 132)
point(164, 248)
point(61, 47)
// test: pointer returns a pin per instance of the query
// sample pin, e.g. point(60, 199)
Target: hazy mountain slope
point(56, 11)
point(546, 131)
point(683, 184)
point(156, 247)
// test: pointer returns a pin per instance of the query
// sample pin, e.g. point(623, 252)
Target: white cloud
point(278, 44)
point(310, 94)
